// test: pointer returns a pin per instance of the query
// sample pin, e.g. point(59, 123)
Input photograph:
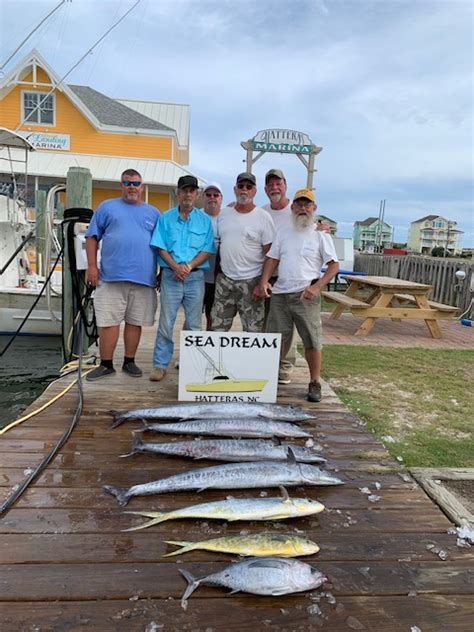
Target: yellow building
point(79, 126)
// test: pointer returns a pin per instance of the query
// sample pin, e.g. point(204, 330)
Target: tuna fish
point(227, 450)
point(214, 410)
point(249, 427)
point(260, 545)
point(260, 576)
point(232, 476)
point(234, 509)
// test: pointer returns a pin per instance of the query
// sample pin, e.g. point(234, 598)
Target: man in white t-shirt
point(245, 233)
point(300, 252)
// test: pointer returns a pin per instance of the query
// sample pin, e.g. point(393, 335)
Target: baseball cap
point(213, 185)
point(275, 173)
point(246, 176)
point(188, 181)
point(304, 193)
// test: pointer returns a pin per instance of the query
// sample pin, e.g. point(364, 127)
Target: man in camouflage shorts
point(245, 233)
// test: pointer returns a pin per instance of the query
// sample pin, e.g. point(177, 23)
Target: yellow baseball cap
point(304, 193)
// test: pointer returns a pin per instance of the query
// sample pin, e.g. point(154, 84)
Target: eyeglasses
point(302, 202)
point(131, 183)
point(212, 195)
point(248, 187)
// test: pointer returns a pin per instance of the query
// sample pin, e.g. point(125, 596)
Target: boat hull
point(228, 386)
point(14, 305)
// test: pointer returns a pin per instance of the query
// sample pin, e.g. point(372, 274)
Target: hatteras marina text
point(232, 342)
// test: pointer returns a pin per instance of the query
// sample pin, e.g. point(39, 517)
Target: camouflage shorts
point(234, 297)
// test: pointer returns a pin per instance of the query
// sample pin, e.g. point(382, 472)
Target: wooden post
point(78, 195)
point(40, 206)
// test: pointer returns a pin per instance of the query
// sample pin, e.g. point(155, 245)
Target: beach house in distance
point(371, 233)
point(81, 127)
point(434, 231)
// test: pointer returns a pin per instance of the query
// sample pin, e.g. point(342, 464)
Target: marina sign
point(282, 141)
point(228, 366)
point(41, 140)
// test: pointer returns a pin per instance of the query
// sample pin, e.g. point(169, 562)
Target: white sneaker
point(176, 364)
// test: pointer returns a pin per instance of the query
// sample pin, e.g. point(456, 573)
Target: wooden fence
point(438, 272)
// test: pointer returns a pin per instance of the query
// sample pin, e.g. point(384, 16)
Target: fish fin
point(120, 494)
point(284, 494)
point(236, 590)
point(137, 443)
point(193, 583)
point(290, 456)
point(117, 418)
point(201, 489)
point(185, 546)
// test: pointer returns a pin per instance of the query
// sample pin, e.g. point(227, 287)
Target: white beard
point(302, 222)
point(275, 198)
point(242, 198)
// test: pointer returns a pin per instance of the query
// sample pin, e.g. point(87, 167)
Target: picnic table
point(396, 299)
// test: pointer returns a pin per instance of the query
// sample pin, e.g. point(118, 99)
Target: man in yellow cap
point(300, 252)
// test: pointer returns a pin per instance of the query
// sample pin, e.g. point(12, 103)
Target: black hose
point(24, 241)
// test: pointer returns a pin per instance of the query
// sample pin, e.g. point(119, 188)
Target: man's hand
point(309, 292)
point(181, 271)
point(92, 275)
point(259, 292)
point(323, 226)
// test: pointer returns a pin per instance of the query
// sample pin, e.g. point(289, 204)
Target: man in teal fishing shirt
point(184, 239)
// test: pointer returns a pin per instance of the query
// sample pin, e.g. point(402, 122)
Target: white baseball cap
point(213, 185)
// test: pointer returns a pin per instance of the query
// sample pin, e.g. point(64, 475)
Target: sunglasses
point(247, 187)
point(212, 195)
point(130, 183)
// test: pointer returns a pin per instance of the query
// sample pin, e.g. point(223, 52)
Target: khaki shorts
point(287, 310)
point(124, 301)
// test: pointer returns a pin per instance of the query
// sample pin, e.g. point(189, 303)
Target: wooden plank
point(149, 545)
point(295, 613)
point(402, 313)
point(343, 299)
point(38, 582)
point(439, 306)
point(367, 325)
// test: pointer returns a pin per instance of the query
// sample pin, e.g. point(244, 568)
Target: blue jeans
point(191, 294)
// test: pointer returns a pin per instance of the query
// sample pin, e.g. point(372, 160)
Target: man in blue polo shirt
point(184, 239)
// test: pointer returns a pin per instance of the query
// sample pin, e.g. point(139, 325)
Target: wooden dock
point(65, 563)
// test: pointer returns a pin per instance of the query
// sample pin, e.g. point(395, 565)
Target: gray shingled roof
point(423, 219)
point(368, 221)
point(110, 112)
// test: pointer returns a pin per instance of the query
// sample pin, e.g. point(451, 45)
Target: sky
point(384, 86)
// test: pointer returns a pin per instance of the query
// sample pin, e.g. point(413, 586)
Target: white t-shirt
point(209, 273)
point(302, 254)
point(242, 237)
point(279, 216)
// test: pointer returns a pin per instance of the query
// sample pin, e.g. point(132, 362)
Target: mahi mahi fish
point(247, 427)
point(260, 576)
point(232, 476)
point(234, 509)
point(254, 545)
point(203, 410)
point(227, 450)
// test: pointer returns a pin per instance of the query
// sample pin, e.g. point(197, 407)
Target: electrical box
point(80, 246)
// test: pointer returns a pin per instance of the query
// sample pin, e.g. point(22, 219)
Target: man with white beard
point(245, 233)
point(300, 252)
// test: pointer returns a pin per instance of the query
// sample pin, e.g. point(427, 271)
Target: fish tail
point(120, 494)
point(186, 546)
point(193, 583)
point(137, 444)
point(118, 418)
point(155, 516)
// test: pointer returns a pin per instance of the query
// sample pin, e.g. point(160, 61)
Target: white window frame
point(41, 96)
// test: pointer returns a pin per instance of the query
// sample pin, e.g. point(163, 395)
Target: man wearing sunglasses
point(300, 252)
point(245, 233)
point(126, 283)
point(184, 240)
point(212, 201)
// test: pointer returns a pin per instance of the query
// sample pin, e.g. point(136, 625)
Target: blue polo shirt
point(184, 239)
point(125, 231)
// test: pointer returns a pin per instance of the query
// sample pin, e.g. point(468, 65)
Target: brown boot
point(314, 391)
point(157, 375)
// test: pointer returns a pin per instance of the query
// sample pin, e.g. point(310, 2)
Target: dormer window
point(38, 108)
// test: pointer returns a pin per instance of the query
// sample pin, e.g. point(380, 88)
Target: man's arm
point(180, 270)
point(315, 288)
point(92, 273)
point(264, 288)
point(197, 260)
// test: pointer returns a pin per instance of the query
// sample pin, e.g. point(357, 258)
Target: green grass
point(422, 398)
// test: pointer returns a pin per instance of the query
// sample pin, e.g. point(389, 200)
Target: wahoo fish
point(229, 427)
point(260, 545)
point(232, 476)
point(226, 450)
point(235, 509)
point(281, 412)
point(260, 576)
